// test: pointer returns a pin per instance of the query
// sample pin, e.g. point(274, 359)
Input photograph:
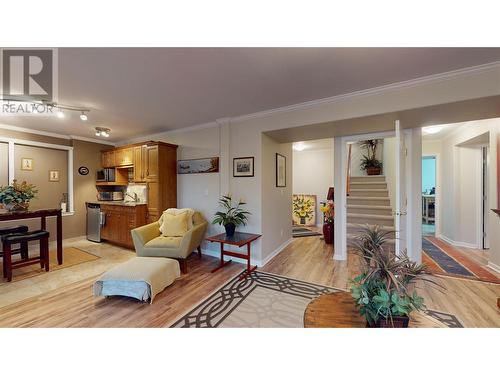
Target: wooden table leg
point(59, 239)
point(222, 263)
point(249, 269)
point(7, 258)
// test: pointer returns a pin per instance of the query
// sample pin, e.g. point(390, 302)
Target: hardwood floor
point(308, 258)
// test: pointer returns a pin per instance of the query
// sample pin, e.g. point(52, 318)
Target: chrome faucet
point(134, 197)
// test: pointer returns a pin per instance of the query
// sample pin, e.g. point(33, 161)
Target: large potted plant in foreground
point(17, 196)
point(369, 162)
point(385, 291)
point(231, 216)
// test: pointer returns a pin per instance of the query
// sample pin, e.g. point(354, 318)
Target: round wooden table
point(338, 310)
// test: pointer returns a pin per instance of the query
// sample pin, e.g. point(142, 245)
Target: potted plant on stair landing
point(369, 162)
point(385, 290)
point(231, 216)
point(17, 196)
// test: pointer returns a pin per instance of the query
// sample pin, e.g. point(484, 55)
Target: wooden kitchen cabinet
point(120, 220)
point(108, 159)
point(154, 163)
point(140, 163)
point(124, 157)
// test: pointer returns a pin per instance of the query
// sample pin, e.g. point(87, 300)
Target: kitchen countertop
point(118, 203)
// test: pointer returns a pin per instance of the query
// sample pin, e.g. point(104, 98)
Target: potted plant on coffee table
point(231, 216)
point(17, 196)
point(385, 290)
point(369, 162)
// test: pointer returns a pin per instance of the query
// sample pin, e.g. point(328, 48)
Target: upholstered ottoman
point(140, 278)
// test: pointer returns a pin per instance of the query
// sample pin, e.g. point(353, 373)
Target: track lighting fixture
point(102, 132)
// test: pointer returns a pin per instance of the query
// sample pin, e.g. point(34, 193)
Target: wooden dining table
point(43, 214)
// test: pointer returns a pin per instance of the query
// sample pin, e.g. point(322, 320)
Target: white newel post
point(339, 182)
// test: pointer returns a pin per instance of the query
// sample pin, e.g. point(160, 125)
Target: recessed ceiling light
point(83, 117)
point(432, 129)
point(299, 146)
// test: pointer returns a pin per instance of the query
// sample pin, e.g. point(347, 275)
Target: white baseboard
point(278, 250)
point(457, 243)
point(258, 263)
point(494, 267)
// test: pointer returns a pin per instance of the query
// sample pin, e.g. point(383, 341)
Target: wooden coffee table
point(338, 310)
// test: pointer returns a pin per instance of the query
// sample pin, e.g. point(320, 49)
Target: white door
point(401, 203)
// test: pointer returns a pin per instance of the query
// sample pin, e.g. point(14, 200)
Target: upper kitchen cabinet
point(140, 163)
point(108, 158)
point(124, 157)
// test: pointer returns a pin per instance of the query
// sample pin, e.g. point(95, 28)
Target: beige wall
point(84, 154)
point(313, 174)
point(4, 163)
point(44, 159)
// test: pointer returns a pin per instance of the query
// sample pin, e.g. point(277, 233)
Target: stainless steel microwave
point(105, 175)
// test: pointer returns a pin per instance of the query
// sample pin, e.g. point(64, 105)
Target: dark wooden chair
point(20, 238)
point(23, 248)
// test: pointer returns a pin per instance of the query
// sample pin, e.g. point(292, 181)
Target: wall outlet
point(205, 192)
point(281, 233)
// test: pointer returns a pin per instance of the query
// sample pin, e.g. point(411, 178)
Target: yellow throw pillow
point(174, 225)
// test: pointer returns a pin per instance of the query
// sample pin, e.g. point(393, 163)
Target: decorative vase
point(328, 232)
point(230, 228)
point(395, 322)
point(17, 206)
point(373, 171)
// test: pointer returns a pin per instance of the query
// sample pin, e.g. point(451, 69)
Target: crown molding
point(53, 135)
point(165, 133)
point(440, 77)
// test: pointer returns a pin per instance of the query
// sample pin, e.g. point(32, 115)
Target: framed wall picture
point(304, 209)
point(54, 176)
point(191, 166)
point(243, 167)
point(280, 170)
point(26, 164)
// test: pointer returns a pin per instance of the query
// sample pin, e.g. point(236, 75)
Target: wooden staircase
point(368, 203)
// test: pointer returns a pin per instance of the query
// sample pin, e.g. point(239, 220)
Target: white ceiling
point(317, 144)
point(141, 91)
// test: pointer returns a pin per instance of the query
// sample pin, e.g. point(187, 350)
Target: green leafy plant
point(386, 286)
point(370, 159)
point(17, 194)
point(231, 214)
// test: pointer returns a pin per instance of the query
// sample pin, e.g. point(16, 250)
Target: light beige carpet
point(71, 257)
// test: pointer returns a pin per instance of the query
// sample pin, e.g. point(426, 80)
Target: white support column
point(11, 173)
point(339, 180)
point(414, 186)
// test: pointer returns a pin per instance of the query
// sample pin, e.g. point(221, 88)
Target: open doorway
point(312, 180)
point(429, 195)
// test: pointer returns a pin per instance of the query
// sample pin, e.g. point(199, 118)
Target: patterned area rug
point(444, 259)
point(265, 300)
point(303, 232)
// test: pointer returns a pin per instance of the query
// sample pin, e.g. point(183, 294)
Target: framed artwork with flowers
point(304, 209)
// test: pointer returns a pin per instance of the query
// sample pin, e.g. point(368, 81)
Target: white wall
point(244, 138)
point(459, 178)
point(313, 174)
point(276, 201)
point(198, 191)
